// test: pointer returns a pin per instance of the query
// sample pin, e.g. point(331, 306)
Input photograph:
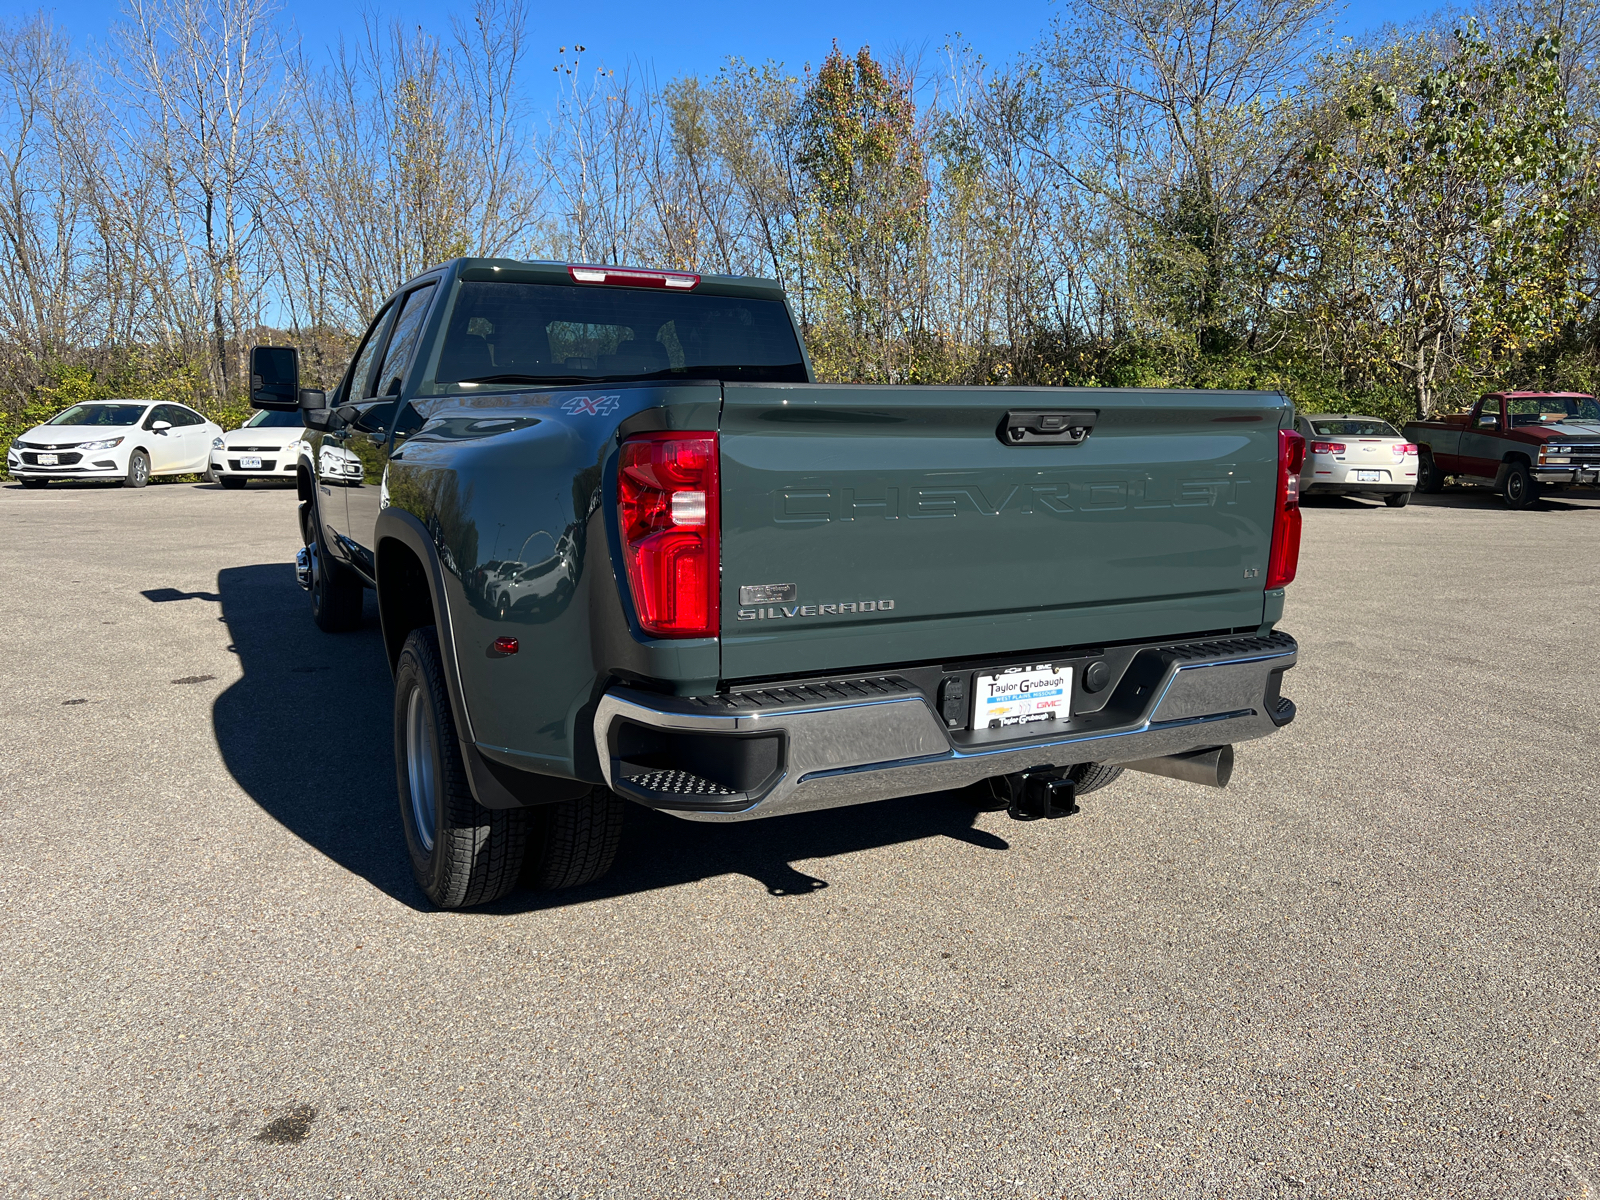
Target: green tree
point(865, 227)
point(1449, 190)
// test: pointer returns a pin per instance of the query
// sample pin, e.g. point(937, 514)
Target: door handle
point(1046, 426)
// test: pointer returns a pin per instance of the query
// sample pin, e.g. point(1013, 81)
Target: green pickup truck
point(625, 549)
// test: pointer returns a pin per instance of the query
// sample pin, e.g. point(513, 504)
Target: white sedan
point(264, 447)
point(1357, 456)
point(130, 440)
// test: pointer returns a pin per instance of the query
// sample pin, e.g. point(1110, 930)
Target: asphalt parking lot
point(1371, 967)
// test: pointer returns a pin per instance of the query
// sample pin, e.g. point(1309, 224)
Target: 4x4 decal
point(592, 406)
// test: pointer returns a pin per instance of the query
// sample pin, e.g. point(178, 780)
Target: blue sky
point(697, 36)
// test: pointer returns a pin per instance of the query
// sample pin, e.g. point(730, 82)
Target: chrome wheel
point(421, 755)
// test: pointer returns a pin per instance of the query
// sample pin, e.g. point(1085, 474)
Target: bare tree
point(1174, 112)
point(405, 152)
point(595, 157)
point(48, 294)
point(202, 97)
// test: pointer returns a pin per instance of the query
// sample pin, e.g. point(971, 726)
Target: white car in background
point(130, 440)
point(1350, 455)
point(264, 447)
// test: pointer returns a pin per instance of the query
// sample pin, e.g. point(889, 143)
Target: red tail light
point(1401, 449)
point(1284, 559)
point(671, 533)
point(1327, 447)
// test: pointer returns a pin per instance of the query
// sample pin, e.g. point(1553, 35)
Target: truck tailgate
point(867, 526)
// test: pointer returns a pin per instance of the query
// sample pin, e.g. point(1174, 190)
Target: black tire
point(138, 470)
point(1091, 777)
point(1429, 481)
point(1521, 490)
point(573, 842)
point(1397, 499)
point(232, 482)
point(461, 853)
point(34, 483)
point(336, 594)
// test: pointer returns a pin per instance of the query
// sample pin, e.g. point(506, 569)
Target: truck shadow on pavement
point(307, 733)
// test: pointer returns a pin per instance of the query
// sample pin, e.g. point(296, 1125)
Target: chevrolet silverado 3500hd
point(625, 549)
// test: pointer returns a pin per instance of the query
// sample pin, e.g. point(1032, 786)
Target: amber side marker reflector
point(504, 645)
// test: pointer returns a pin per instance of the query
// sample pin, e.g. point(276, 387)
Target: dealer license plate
point(250, 464)
point(49, 460)
point(1021, 696)
point(1369, 476)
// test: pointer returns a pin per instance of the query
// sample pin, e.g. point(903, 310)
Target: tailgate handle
point(1045, 427)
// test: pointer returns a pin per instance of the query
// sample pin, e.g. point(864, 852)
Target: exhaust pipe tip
point(1212, 767)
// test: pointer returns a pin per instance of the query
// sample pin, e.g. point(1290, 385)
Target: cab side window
point(170, 413)
point(1488, 410)
point(361, 370)
point(403, 341)
point(1530, 410)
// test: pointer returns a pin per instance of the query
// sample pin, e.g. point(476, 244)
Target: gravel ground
point(1371, 967)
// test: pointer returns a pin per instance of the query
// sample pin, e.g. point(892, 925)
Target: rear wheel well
point(405, 602)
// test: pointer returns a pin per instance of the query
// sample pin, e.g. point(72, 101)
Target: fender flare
point(1511, 458)
point(395, 524)
point(493, 784)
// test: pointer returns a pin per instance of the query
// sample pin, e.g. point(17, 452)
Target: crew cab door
point(367, 439)
point(337, 466)
point(879, 525)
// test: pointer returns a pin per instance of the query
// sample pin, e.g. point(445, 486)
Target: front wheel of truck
point(336, 594)
point(1520, 489)
point(461, 853)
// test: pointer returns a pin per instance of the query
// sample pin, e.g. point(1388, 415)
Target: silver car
point(1350, 455)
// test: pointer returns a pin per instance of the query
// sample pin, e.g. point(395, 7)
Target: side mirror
point(321, 419)
point(1488, 422)
point(160, 426)
point(275, 378)
point(311, 401)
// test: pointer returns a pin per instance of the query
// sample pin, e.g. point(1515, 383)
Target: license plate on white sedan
point(49, 460)
point(254, 464)
point(1021, 696)
point(1369, 476)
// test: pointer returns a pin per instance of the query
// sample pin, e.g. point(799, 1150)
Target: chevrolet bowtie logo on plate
point(783, 596)
point(768, 594)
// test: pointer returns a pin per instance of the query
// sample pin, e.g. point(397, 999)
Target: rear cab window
point(1358, 427)
point(506, 334)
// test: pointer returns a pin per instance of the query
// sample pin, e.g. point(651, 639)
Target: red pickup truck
point(1518, 443)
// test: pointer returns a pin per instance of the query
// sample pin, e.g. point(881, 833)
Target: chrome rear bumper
point(842, 742)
